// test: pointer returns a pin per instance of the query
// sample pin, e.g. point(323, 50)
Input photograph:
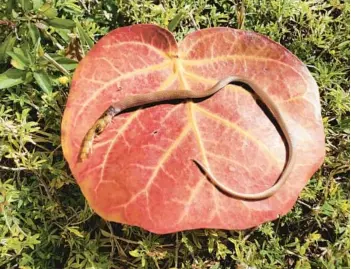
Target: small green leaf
point(48, 11)
point(25, 51)
point(14, 14)
point(84, 36)
point(11, 78)
point(37, 4)
point(43, 80)
point(26, 5)
point(175, 21)
point(67, 63)
point(135, 253)
point(38, 49)
point(28, 78)
point(75, 231)
point(217, 266)
point(33, 32)
point(6, 46)
point(17, 65)
point(104, 233)
point(44, 7)
point(143, 261)
point(61, 23)
point(20, 59)
point(211, 241)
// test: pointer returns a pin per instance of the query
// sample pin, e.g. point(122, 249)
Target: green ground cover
point(45, 221)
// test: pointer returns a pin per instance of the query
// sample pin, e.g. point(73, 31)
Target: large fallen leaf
point(141, 173)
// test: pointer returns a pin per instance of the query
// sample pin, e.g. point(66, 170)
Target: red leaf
point(141, 173)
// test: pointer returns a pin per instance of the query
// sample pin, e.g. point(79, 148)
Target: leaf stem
point(14, 168)
point(176, 251)
point(56, 64)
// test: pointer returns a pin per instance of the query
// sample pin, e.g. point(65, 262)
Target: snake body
point(156, 97)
